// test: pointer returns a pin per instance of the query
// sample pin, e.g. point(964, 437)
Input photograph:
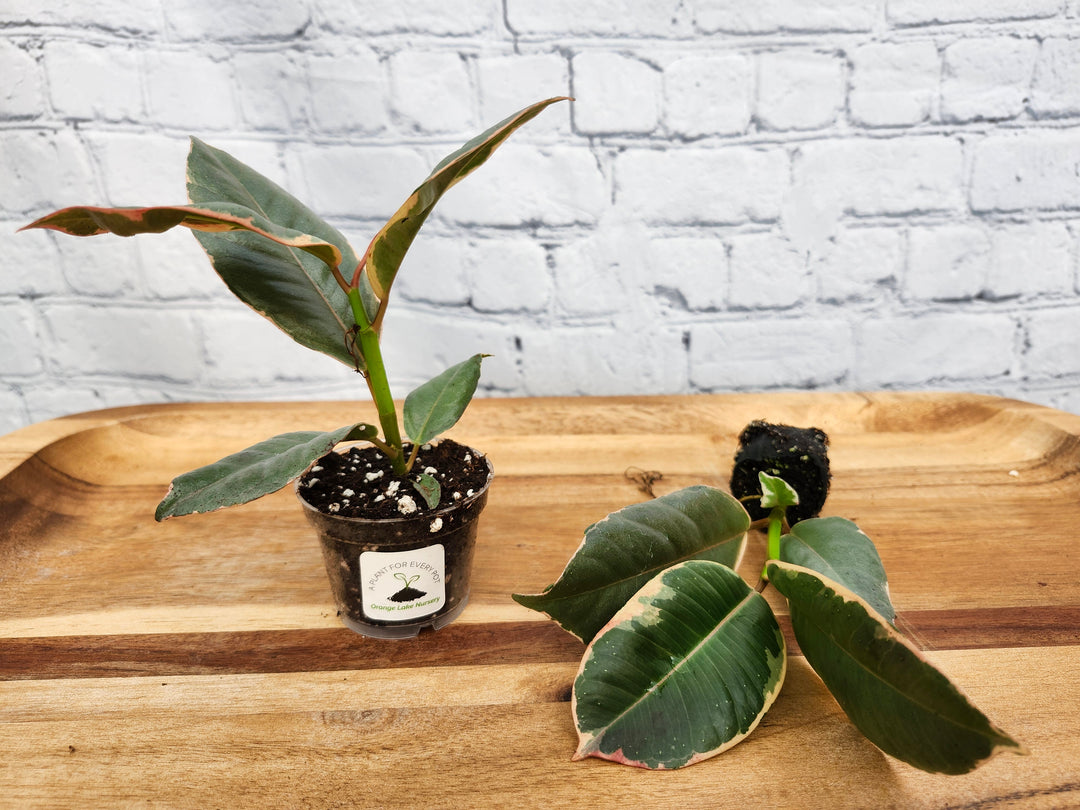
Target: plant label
point(400, 586)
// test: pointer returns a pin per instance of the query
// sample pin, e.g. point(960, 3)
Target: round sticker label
point(400, 586)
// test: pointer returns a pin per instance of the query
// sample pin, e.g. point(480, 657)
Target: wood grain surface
point(199, 663)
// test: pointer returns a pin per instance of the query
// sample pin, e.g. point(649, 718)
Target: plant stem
point(371, 351)
point(776, 527)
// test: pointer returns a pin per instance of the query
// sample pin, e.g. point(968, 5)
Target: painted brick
point(1052, 338)
point(1026, 170)
point(272, 89)
point(894, 84)
point(135, 342)
point(932, 347)
point(586, 270)
point(252, 19)
point(1029, 260)
point(947, 262)
point(243, 348)
point(418, 344)
point(13, 413)
point(889, 176)
point(766, 272)
point(987, 79)
point(701, 186)
point(799, 89)
point(603, 361)
point(1056, 91)
point(509, 275)
point(431, 91)
point(652, 18)
point(438, 17)
point(31, 262)
point(173, 265)
point(929, 12)
point(100, 266)
point(92, 81)
point(708, 95)
point(860, 264)
point(615, 93)
point(360, 181)
point(138, 169)
point(693, 268)
point(529, 184)
point(204, 100)
point(349, 92)
point(42, 167)
point(434, 271)
point(119, 16)
point(767, 16)
point(769, 353)
point(507, 82)
point(19, 340)
point(23, 92)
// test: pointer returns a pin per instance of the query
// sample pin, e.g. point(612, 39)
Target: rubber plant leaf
point(685, 670)
point(387, 249)
point(438, 404)
point(622, 552)
point(213, 218)
point(292, 288)
point(838, 549)
point(259, 470)
point(776, 492)
point(887, 688)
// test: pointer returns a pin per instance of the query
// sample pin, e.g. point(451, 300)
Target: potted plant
point(397, 518)
point(684, 657)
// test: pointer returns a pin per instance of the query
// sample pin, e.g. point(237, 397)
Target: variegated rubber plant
point(684, 658)
point(298, 271)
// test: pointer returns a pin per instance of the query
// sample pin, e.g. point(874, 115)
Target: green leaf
point(684, 671)
point(892, 694)
point(837, 548)
point(629, 547)
point(429, 488)
point(438, 404)
point(387, 250)
point(776, 492)
point(290, 287)
point(259, 470)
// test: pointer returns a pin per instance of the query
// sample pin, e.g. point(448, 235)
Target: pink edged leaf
point(887, 688)
point(249, 474)
point(214, 218)
point(685, 670)
point(387, 250)
point(622, 552)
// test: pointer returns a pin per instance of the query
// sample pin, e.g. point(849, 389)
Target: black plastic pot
point(393, 578)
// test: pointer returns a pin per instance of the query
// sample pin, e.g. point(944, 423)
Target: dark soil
point(798, 455)
point(407, 595)
point(361, 482)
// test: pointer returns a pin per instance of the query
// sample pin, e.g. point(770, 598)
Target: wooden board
point(199, 663)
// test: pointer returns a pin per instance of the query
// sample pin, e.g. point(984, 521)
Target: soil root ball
point(797, 455)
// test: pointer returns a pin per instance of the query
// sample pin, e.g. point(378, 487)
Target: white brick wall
point(844, 194)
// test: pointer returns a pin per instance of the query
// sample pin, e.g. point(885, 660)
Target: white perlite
point(436, 524)
point(406, 505)
point(371, 476)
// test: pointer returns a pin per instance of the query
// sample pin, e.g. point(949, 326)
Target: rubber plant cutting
point(684, 657)
point(396, 518)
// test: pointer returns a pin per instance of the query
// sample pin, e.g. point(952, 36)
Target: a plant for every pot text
point(684, 657)
point(397, 518)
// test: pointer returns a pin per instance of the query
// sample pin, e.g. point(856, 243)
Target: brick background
point(845, 194)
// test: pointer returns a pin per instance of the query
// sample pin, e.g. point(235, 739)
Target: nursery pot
point(391, 578)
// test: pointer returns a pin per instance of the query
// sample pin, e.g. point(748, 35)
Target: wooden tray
point(199, 663)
